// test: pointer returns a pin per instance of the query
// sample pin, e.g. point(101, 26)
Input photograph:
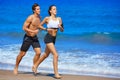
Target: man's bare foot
point(15, 71)
point(34, 69)
point(57, 76)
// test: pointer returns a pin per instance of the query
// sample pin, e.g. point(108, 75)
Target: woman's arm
point(41, 27)
point(61, 25)
point(43, 22)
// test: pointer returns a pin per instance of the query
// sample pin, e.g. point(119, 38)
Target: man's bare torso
point(34, 23)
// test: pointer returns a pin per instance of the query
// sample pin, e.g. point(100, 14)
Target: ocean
point(89, 45)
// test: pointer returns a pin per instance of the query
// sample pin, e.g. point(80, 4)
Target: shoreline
point(8, 75)
point(9, 67)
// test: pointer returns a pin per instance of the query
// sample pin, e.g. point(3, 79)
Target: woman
point(53, 24)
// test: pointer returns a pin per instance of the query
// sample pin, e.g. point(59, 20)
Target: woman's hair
point(50, 9)
point(34, 6)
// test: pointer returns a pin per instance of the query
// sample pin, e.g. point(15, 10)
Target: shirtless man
point(31, 26)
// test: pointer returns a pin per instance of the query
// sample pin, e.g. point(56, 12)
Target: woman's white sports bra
point(53, 23)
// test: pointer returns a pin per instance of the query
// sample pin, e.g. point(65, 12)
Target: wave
point(78, 61)
point(90, 39)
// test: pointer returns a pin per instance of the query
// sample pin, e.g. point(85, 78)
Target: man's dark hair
point(34, 6)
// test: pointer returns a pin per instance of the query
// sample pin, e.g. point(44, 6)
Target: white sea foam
point(75, 61)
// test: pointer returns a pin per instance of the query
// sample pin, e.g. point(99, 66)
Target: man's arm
point(26, 25)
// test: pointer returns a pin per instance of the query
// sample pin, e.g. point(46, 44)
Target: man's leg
point(25, 46)
point(18, 59)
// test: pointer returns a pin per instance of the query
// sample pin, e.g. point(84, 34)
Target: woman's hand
point(61, 27)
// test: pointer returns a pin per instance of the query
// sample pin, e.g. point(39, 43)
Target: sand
point(8, 75)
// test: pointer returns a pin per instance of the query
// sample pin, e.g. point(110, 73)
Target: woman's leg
point(37, 55)
point(40, 60)
point(52, 49)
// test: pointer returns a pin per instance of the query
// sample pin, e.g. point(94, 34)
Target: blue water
point(90, 44)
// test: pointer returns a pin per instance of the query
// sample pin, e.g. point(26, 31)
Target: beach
point(8, 75)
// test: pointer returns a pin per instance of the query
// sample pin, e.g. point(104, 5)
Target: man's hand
point(36, 31)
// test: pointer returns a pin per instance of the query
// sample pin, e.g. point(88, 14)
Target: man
point(31, 26)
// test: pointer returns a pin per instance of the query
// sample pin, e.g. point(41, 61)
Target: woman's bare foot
point(15, 71)
point(57, 76)
point(34, 69)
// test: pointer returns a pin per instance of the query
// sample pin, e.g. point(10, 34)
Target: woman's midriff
point(52, 32)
